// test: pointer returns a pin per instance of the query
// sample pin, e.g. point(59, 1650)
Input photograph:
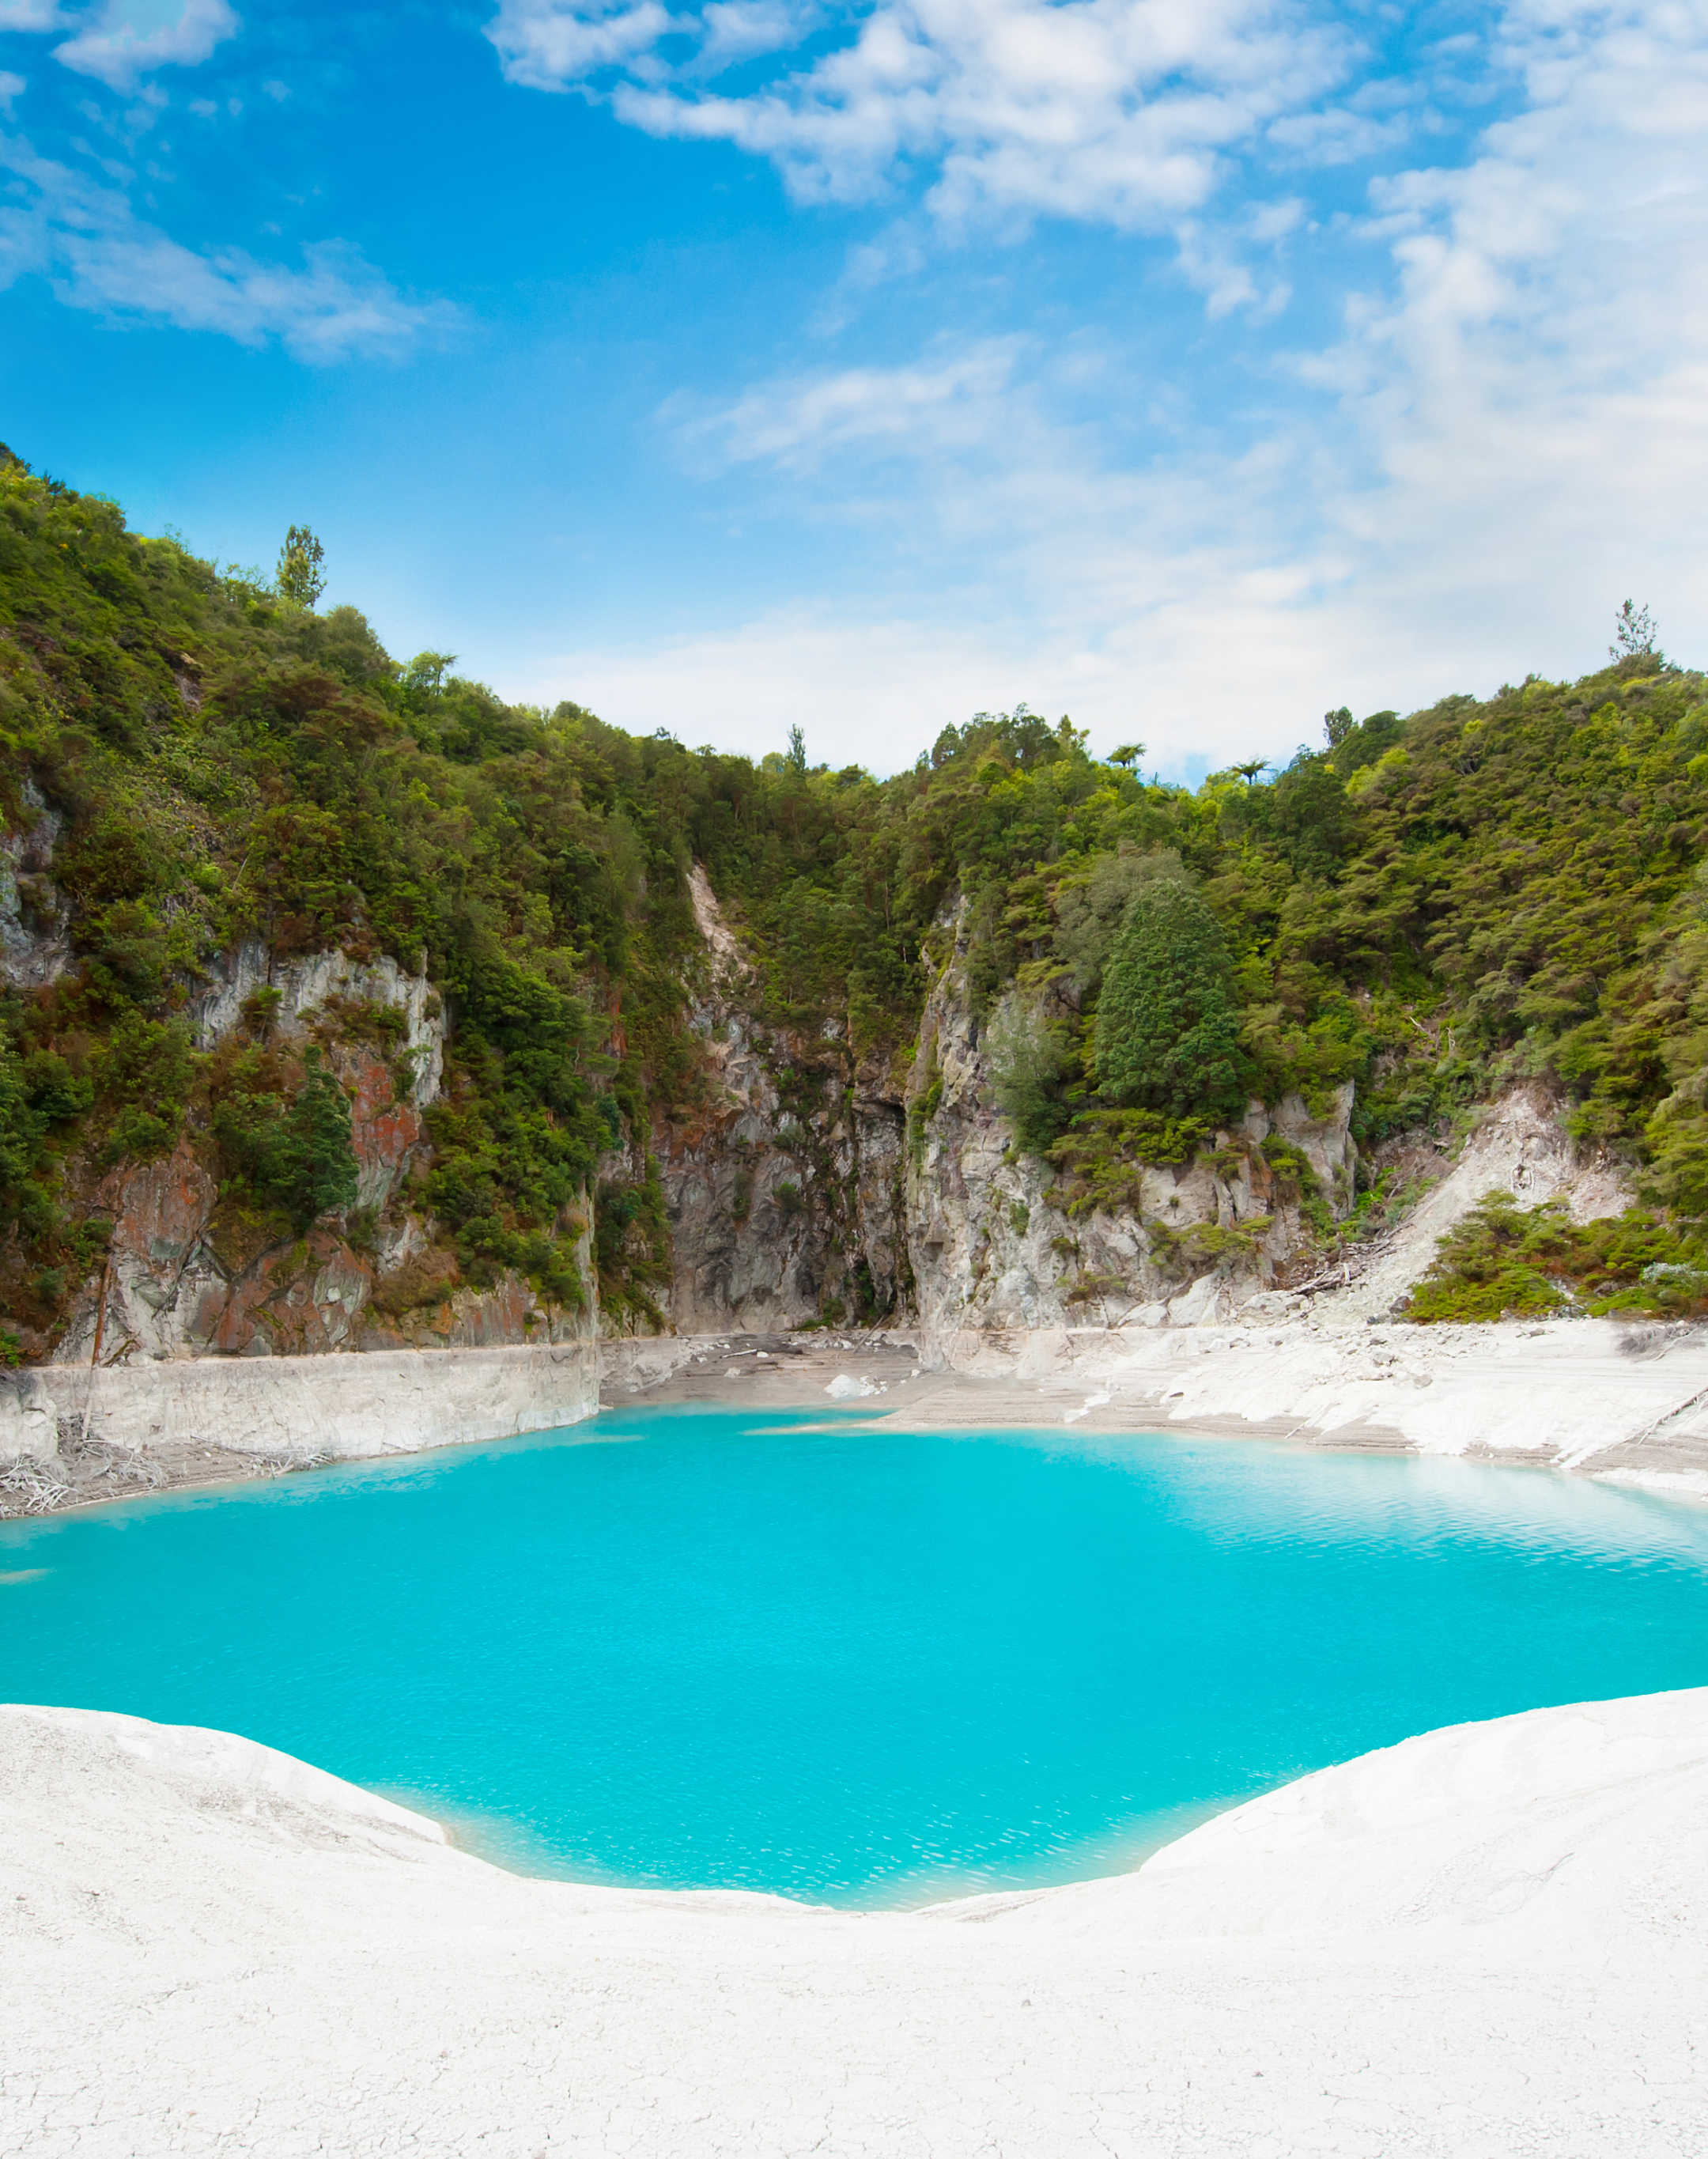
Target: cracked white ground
point(1491, 1941)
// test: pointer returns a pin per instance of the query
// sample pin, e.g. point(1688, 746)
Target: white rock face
point(1488, 1941)
point(772, 1212)
point(989, 1252)
point(773, 1208)
point(303, 1409)
point(955, 1222)
point(304, 987)
point(1519, 1147)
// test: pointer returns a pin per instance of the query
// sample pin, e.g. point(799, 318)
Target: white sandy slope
point(1487, 1942)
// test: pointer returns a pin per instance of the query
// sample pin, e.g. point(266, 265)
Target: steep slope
point(343, 1006)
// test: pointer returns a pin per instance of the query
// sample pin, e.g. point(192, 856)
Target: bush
point(1103, 1156)
point(297, 1158)
point(20, 1130)
point(1505, 1261)
point(144, 1073)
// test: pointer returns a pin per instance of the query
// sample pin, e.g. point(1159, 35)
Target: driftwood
point(30, 1488)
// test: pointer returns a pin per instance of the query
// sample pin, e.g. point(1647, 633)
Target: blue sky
point(1186, 365)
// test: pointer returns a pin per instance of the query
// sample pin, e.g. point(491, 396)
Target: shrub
point(1502, 1260)
point(296, 1158)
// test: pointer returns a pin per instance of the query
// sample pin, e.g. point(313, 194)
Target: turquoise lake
point(700, 1649)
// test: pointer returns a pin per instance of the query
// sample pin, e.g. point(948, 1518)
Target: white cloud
point(1204, 682)
point(863, 690)
point(948, 400)
point(741, 29)
point(1503, 437)
point(86, 238)
point(551, 44)
point(30, 15)
point(129, 38)
point(11, 88)
point(1116, 111)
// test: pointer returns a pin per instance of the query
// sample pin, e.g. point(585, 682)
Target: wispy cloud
point(1112, 111)
point(86, 239)
point(126, 39)
point(1501, 436)
point(546, 45)
point(30, 15)
point(948, 400)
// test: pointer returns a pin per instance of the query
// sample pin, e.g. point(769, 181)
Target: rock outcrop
point(814, 1187)
point(994, 1247)
point(785, 1197)
point(35, 943)
point(187, 1276)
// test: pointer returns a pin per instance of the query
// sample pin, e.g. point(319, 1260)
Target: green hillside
point(1427, 906)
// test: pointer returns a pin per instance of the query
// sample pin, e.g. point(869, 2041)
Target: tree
point(1634, 634)
point(1128, 754)
point(797, 752)
point(1336, 726)
point(318, 1164)
point(1091, 906)
point(426, 671)
point(300, 577)
point(1026, 1054)
point(1249, 771)
point(1167, 1035)
point(1312, 820)
point(20, 1133)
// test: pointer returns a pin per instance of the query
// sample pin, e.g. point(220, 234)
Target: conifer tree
point(321, 1163)
point(1168, 1033)
point(302, 577)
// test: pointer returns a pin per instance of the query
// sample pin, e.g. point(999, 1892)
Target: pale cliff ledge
point(1488, 1939)
point(69, 1435)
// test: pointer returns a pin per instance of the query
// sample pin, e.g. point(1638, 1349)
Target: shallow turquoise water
point(856, 1667)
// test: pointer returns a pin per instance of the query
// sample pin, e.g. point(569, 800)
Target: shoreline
point(1488, 1937)
point(1583, 1397)
point(1627, 1405)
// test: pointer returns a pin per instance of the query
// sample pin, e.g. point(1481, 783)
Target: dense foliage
point(1167, 1034)
point(1423, 906)
point(1502, 1260)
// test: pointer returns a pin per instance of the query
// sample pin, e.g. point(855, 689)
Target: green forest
point(1428, 905)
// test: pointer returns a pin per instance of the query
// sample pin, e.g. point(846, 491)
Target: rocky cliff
point(999, 1240)
point(785, 1196)
point(809, 1186)
point(187, 1273)
point(819, 1188)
